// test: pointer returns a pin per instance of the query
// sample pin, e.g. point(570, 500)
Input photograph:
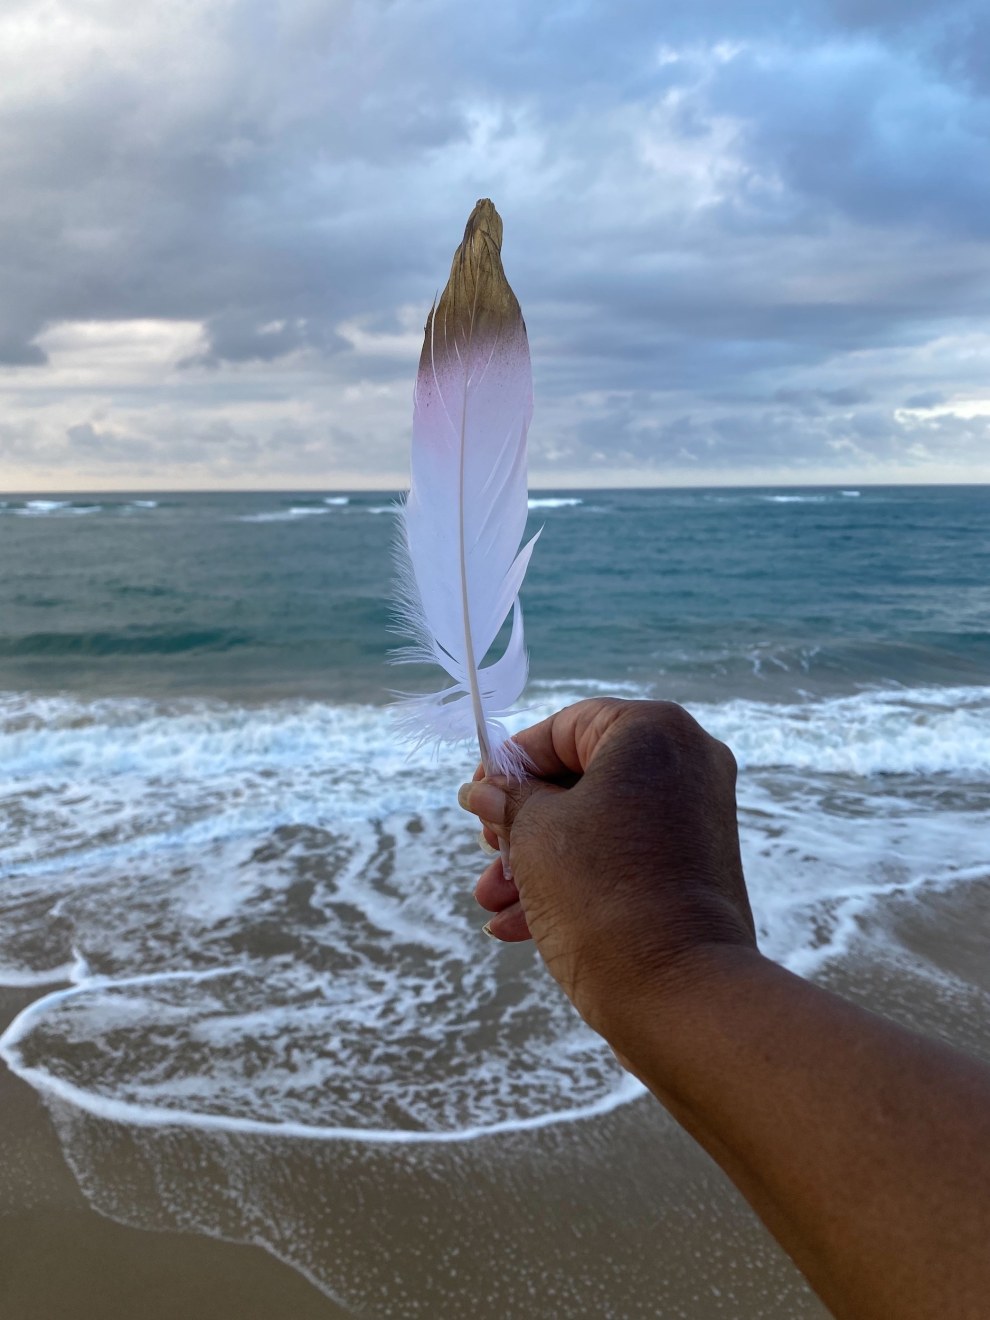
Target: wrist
point(664, 1015)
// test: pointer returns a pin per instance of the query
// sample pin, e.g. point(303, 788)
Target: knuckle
point(728, 760)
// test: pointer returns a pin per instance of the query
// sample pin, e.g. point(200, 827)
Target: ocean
point(244, 908)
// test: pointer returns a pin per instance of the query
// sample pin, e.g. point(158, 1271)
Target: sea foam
point(265, 911)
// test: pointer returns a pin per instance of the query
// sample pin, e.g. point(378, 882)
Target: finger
point(494, 890)
point(490, 800)
point(497, 801)
point(488, 839)
point(509, 926)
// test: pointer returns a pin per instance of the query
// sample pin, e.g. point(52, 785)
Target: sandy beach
point(629, 1219)
point(618, 1216)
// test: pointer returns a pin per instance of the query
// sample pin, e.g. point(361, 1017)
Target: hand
point(624, 850)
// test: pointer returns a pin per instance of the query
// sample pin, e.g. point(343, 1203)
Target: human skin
point(864, 1147)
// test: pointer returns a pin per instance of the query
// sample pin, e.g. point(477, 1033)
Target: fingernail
point(486, 847)
point(484, 800)
point(487, 930)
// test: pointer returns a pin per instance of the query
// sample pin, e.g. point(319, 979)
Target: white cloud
point(113, 353)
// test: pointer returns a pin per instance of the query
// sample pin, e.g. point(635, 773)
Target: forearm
point(864, 1148)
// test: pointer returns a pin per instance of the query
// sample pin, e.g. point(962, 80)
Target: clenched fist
point(624, 851)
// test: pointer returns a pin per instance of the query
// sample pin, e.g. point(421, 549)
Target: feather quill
point(460, 562)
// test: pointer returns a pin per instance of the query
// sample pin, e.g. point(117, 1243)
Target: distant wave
point(817, 498)
point(72, 508)
point(46, 506)
point(54, 508)
point(546, 502)
point(285, 515)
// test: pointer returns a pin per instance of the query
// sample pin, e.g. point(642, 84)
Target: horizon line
point(538, 488)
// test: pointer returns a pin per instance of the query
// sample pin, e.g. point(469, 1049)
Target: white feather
point(463, 520)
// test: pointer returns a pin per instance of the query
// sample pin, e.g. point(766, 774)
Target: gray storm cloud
point(750, 242)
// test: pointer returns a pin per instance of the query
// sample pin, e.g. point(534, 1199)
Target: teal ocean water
point(247, 910)
point(705, 594)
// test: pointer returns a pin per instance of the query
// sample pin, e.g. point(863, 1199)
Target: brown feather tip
point(477, 305)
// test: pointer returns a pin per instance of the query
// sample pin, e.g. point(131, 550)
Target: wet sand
point(617, 1216)
point(59, 1259)
point(620, 1216)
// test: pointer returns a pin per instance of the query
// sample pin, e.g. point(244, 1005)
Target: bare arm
point(864, 1147)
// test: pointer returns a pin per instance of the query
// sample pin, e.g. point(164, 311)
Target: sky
point(750, 241)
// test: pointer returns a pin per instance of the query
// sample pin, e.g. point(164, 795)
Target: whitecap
point(921, 731)
point(541, 502)
point(57, 509)
point(284, 515)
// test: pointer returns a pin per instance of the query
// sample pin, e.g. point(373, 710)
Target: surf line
point(127, 1113)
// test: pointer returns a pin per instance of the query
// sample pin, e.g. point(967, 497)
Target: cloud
point(744, 240)
point(866, 130)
